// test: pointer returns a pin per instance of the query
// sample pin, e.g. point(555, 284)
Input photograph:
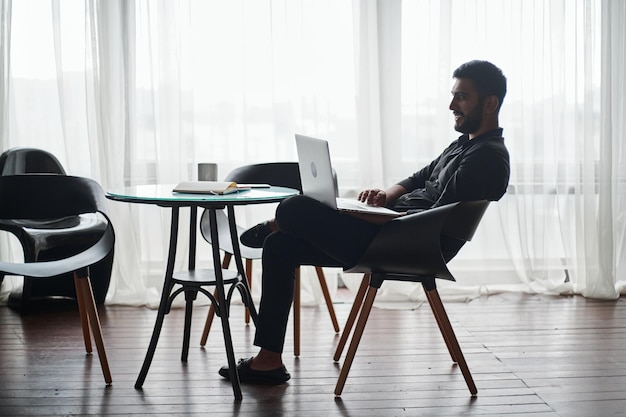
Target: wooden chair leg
point(354, 311)
point(249, 278)
point(438, 319)
point(450, 337)
point(83, 284)
point(211, 314)
point(84, 319)
point(297, 304)
point(296, 314)
point(208, 322)
point(327, 298)
point(356, 338)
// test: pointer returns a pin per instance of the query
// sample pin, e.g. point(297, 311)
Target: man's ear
point(491, 104)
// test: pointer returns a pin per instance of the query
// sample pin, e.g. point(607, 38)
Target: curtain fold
point(5, 55)
point(144, 90)
point(611, 281)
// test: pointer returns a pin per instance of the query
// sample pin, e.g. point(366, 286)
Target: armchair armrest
point(422, 243)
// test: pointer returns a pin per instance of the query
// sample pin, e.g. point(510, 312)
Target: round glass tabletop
point(163, 194)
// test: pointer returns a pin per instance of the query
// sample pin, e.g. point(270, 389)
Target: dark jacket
point(476, 169)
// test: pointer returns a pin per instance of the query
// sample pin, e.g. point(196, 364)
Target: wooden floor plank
point(532, 356)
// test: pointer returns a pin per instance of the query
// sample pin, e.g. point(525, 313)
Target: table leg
point(190, 296)
point(163, 305)
point(223, 306)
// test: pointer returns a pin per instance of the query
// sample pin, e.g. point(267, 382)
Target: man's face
point(466, 106)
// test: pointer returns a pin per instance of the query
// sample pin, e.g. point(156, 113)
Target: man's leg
point(310, 233)
point(338, 234)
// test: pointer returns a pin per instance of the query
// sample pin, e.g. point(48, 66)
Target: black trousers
point(311, 233)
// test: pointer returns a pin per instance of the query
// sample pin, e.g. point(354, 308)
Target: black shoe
point(255, 236)
point(248, 375)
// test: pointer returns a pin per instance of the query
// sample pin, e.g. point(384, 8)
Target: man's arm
point(377, 197)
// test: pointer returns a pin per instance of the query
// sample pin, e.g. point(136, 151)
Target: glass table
point(192, 280)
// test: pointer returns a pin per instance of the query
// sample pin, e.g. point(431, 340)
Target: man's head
point(477, 96)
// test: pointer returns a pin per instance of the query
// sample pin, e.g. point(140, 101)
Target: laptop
point(316, 174)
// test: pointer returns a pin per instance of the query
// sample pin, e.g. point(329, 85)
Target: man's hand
point(382, 198)
point(374, 197)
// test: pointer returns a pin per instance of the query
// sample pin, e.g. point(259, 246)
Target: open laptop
point(316, 174)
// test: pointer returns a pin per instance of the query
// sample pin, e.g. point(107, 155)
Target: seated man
point(307, 232)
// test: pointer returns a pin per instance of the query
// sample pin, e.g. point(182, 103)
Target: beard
point(471, 121)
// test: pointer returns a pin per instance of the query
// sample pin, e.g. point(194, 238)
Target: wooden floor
point(534, 356)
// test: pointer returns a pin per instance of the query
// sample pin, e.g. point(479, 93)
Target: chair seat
point(78, 231)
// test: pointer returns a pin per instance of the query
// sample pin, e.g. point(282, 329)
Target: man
point(307, 232)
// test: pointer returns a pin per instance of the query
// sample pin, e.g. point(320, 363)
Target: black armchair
point(51, 238)
point(41, 197)
point(413, 248)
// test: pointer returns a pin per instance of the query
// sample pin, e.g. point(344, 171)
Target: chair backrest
point(464, 219)
point(280, 174)
point(49, 196)
point(422, 244)
point(17, 161)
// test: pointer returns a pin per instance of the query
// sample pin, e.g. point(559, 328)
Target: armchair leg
point(82, 311)
point(83, 285)
point(450, 338)
point(356, 339)
point(211, 314)
point(208, 322)
point(437, 314)
point(354, 311)
point(297, 304)
point(329, 301)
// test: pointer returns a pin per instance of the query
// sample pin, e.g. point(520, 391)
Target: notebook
point(207, 187)
point(316, 174)
point(214, 187)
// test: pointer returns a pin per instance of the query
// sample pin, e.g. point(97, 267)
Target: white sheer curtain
point(132, 92)
point(612, 183)
point(559, 229)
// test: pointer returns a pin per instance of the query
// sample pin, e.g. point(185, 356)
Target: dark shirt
point(476, 169)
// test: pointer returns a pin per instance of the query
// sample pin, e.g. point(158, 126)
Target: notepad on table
point(206, 187)
point(213, 187)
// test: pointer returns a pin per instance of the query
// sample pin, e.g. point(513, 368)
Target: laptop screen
point(316, 171)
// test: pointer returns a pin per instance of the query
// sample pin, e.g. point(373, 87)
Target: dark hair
point(487, 78)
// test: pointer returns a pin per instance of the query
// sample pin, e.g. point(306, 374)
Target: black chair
point(413, 248)
point(41, 197)
point(49, 239)
point(281, 174)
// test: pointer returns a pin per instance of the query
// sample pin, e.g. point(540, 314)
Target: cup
point(207, 171)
